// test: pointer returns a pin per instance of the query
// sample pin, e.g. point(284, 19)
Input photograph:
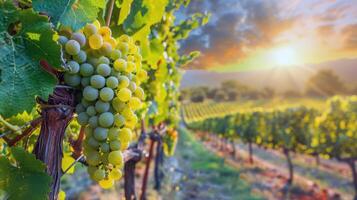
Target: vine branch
point(109, 12)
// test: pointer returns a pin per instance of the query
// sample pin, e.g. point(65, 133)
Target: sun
point(284, 57)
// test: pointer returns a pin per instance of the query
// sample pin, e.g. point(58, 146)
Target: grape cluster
point(108, 72)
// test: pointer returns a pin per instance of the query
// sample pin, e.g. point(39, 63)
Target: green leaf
point(124, 10)
point(72, 13)
point(25, 178)
point(21, 77)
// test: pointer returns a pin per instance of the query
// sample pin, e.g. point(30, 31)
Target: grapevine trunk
point(290, 166)
point(250, 153)
point(57, 112)
point(352, 165)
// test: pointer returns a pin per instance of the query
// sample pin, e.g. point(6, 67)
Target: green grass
point(223, 181)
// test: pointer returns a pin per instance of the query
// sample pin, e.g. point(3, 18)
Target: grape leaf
point(21, 77)
point(24, 179)
point(72, 13)
point(124, 10)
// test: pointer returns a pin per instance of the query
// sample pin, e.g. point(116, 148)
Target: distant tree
point(291, 94)
point(211, 93)
point(220, 96)
point(268, 92)
point(198, 95)
point(325, 83)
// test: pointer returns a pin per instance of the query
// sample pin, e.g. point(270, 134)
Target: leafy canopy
point(30, 40)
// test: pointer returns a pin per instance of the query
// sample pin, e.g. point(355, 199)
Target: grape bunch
point(108, 72)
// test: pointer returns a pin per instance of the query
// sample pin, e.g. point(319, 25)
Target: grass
point(210, 172)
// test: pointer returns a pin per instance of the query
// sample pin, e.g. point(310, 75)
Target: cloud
point(334, 12)
point(350, 37)
point(237, 27)
point(327, 29)
point(239, 30)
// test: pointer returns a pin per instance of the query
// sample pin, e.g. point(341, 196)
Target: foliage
point(22, 174)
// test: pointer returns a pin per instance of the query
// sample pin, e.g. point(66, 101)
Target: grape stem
point(109, 12)
point(70, 166)
point(77, 144)
point(12, 128)
point(28, 131)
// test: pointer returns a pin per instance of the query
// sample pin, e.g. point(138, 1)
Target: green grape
point(102, 106)
point(106, 119)
point(106, 183)
point(72, 47)
point(93, 158)
point(138, 58)
point(125, 135)
point(90, 93)
point(106, 49)
point(104, 158)
point(112, 82)
point(106, 94)
point(125, 38)
point(142, 75)
point(93, 142)
point(97, 81)
point(130, 58)
point(85, 81)
point(80, 108)
point(99, 174)
point(119, 120)
point(103, 69)
point(120, 65)
point(124, 146)
point(139, 92)
point(62, 39)
point(88, 131)
point(104, 147)
point(115, 174)
point(132, 86)
point(73, 67)
point(116, 54)
point(116, 158)
point(105, 32)
point(91, 170)
point(80, 38)
point(103, 60)
point(93, 61)
point(90, 29)
point(95, 41)
point(86, 103)
point(113, 133)
point(123, 81)
point(72, 79)
point(134, 103)
point(133, 49)
point(86, 69)
point(82, 118)
point(124, 94)
point(131, 122)
point(100, 133)
point(91, 111)
point(93, 121)
point(118, 105)
point(114, 145)
point(123, 47)
point(81, 57)
point(130, 67)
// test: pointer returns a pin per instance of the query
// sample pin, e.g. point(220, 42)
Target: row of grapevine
point(330, 134)
point(87, 81)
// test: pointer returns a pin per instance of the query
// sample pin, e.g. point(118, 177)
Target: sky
point(254, 34)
